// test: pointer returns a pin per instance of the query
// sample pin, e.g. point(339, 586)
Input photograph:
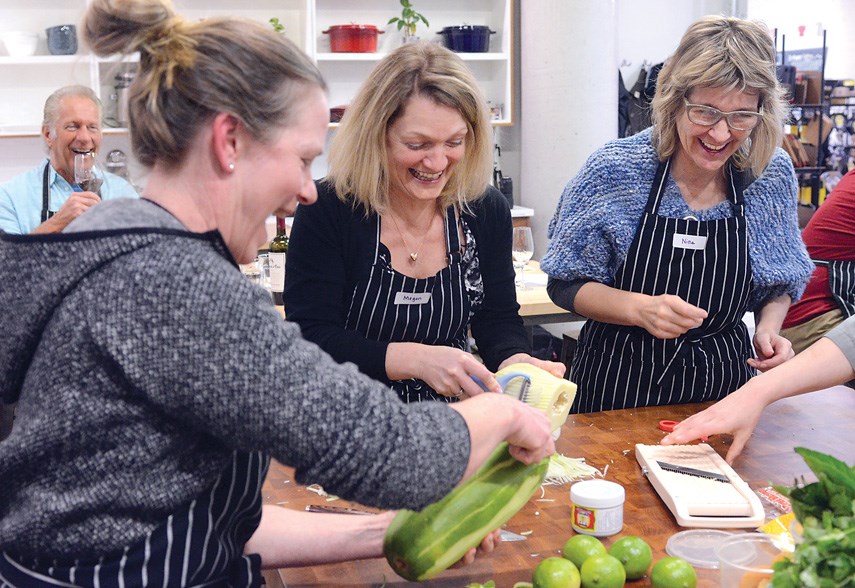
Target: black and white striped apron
point(618, 366)
point(46, 211)
point(199, 545)
point(841, 282)
point(388, 306)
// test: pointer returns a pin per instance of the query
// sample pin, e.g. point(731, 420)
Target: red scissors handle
point(667, 426)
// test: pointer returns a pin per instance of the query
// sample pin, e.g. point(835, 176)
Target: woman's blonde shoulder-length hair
point(358, 161)
point(729, 53)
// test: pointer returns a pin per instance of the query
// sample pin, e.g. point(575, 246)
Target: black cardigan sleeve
point(325, 242)
point(327, 248)
point(497, 326)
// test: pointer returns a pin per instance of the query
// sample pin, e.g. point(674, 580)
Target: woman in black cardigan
point(408, 247)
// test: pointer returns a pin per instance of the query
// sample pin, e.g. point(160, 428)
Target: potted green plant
point(277, 26)
point(408, 20)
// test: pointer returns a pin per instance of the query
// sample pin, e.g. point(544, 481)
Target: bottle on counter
point(276, 260)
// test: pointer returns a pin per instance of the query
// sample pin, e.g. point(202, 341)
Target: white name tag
point(689, 241)
point(411, 298)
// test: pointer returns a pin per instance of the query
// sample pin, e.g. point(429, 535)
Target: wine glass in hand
point(85, 173)
point(523, 249)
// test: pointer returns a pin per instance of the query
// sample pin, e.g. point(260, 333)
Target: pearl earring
point(231, 166)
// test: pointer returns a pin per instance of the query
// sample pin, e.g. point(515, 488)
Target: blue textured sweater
point(600, 208)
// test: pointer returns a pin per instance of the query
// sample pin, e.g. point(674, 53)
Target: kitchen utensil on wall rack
point(504, 184)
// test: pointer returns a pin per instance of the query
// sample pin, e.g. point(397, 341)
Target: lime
point(580, 547)
point(673, 572)
point(603, 571)
point(555, 572)
point(635, 555)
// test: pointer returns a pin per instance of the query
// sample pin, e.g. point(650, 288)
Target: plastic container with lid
point(597, 507)
point(697, 546)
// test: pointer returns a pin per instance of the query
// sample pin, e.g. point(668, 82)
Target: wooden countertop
point(820, 421)
point(535, 305)
point(533, 299)
point(521, 212)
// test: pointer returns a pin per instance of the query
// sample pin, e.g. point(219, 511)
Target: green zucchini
point(420, 545)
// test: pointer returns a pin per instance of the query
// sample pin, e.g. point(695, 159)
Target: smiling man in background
point(45, 199)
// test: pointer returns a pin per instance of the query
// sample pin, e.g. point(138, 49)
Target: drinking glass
point(258, 271)
point(523, 249)
point(251, 271)
point(264, 270)
point(85, 172)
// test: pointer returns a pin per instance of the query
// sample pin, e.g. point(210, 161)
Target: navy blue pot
point(467, 38)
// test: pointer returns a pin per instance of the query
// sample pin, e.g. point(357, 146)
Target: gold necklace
point(414, 255)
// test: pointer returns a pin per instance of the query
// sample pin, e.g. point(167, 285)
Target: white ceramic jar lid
point(597, 494)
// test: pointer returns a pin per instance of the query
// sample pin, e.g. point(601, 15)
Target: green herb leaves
point(826, 510)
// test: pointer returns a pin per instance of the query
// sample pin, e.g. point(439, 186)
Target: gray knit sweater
point(141, 358)
point(843, 335)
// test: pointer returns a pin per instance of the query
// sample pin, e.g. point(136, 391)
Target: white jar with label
point(597, 507)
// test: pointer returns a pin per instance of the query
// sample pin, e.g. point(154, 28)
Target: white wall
point(569, 101)
point(646, 34)
point(569, 83)
point(837, 17)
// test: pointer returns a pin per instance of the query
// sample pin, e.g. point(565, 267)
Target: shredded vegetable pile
point(563, 470)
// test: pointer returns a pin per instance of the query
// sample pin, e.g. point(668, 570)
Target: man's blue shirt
point(21, 197)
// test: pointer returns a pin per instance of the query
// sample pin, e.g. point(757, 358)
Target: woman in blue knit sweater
point(664, 240)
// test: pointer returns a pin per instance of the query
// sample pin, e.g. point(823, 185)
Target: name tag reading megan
point(689, 241)
point(412, 298)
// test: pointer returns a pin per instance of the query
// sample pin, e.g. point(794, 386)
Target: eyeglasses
point(707, 116)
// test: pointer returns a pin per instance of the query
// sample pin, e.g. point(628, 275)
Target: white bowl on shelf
point(19, 44)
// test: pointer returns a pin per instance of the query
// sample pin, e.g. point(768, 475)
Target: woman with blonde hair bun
point(154, 382)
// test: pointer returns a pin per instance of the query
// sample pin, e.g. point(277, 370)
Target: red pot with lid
point(353, 38)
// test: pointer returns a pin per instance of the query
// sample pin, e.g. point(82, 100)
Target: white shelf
point(483, 56)
point(26, 82)
point(377, 56)
point(43, 60)
point(345, 71)
point(132, 58)
point(349, 56)
point(12, 131)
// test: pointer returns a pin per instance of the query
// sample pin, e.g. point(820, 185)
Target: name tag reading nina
point(689, 241)
point(412, 298)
